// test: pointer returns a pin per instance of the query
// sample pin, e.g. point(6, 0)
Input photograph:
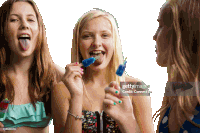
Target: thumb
point(1, 125)
point(1, 128)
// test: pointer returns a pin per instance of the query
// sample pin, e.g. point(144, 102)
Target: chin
point(99, 67)
point(162, 63)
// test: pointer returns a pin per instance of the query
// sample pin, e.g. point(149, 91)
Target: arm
point(129, 126)
point(143, 111)
point(64, 122)
point(74, 125)
point(60, 105)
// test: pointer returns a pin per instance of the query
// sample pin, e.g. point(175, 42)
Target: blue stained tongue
point(24, 43)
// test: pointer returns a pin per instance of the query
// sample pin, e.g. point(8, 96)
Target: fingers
point(113, 91)
point(76, 63)
point(73, 70)
point(115, 85)
point(111, 100)
point(1, 128)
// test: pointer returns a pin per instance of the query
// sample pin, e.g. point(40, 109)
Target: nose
point(97, 41)
point(24, 24)
point(154, 37)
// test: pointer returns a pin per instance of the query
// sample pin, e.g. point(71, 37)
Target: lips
point(24, 36)
point(96, 50)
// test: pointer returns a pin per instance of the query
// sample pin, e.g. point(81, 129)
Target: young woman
point(178, 46)
point(94, 91)
point(27, 71)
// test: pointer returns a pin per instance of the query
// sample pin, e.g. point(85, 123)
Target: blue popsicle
point(89, 61)
point(121, 68)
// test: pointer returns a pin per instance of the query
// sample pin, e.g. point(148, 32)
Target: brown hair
point(41, 73)
point(184, 55)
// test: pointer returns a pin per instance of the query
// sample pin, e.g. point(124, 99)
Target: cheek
point(85, 44)
point(83, 48)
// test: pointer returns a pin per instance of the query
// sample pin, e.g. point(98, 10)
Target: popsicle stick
point(125, 61)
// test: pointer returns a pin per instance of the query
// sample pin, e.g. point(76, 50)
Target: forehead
point(165, 8)
point(22, 8)
point(99, 23)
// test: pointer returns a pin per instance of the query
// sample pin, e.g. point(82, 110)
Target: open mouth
point(24, 41)
point(96, 53)
point(25, 37)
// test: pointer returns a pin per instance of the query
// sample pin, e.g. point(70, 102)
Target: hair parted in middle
point(117, 57)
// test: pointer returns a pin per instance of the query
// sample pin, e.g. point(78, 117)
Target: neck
point(96, 77)
point(20, 65)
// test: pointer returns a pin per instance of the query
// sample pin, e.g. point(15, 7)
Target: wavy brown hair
point(184, 51)
point(42, 75)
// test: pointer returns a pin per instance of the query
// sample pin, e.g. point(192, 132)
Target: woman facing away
point(27, 71)
point(94, 91)
point(178, 48)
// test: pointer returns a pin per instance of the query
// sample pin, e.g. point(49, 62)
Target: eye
point(31, 20)
point(86, 36)
point(105, 35)
point(13, 20)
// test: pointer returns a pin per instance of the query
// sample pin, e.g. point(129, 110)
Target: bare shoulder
point(132, 79)
point(59, 72)
point(137, 98)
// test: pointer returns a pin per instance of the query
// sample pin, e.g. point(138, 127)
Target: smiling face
point(96, 39)
point(161, 35)
point(22, 20)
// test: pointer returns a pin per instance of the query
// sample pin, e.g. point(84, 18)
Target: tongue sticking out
point(24, 43)
point(98, 61)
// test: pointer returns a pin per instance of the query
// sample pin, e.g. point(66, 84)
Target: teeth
point(96, 52)
point(24, 36)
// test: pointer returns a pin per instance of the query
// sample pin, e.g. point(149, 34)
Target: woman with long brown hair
point(27, 72)
point(178, 47)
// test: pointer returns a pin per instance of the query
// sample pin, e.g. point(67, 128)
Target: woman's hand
point(73, 79)
point(123, 110)
point(1, 128)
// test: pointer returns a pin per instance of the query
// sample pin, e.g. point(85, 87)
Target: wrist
point(126, 118)
point(76, 99)
point(127, 125)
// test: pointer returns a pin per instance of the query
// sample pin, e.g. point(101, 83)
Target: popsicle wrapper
point(121, 69)
point(88, 61)
point(2, 113)
point(3, 107)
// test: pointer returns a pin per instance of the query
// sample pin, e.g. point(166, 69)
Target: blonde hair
point(117, 57)
point(184, 55)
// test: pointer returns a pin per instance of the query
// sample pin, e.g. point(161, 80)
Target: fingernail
point(82, 69)
point(116, 92)
point(76, 62)
point(114, 103)
point(120, 101)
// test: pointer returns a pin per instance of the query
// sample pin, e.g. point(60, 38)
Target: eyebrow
point(158, 20)
point(18, 15)
point(86, 31)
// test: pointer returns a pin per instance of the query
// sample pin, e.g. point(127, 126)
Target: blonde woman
point(27, 71)
point(94, 91)
point(178, 46)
